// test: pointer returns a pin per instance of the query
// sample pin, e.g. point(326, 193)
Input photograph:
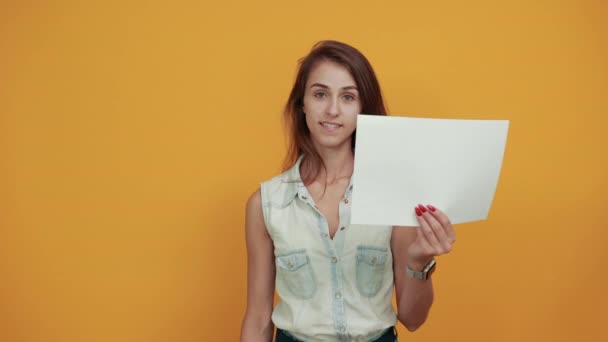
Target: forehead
point(331, 74)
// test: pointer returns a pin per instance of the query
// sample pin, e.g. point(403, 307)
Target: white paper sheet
point(403, 161)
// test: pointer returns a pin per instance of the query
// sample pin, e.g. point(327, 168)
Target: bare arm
point(414, 297)
point(257, 325)
point(416, 246)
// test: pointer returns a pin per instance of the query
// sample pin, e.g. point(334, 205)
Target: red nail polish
point(431, 207)
point(418, 212)
point(422, 208)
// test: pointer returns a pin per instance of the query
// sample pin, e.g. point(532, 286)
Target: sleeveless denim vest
point(336, 289)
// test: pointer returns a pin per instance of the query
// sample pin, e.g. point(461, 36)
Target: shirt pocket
point(295, 270)
point(371, 262)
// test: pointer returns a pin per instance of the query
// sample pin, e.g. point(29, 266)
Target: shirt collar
point(296, 187)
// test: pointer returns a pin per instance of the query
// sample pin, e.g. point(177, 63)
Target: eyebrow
point(326, 87)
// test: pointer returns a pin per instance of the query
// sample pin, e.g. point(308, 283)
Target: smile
point(330, 126)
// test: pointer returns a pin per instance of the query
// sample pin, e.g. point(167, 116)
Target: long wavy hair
point(298, 135)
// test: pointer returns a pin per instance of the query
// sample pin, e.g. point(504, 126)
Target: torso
point(349, 263)
point(328, 204)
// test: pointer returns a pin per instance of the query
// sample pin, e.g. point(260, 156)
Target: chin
point(332, 143)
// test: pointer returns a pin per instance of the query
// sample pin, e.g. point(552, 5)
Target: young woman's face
point(331, 104)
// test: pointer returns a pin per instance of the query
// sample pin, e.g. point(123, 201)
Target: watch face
point(430, 268)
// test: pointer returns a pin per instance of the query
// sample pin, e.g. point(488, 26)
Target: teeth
point(330, 125)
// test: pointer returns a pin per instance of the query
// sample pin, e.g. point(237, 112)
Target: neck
point(339, 163)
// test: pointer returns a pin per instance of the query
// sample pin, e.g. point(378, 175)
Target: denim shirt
point(336, 289)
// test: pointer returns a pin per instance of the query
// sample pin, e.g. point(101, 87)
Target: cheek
point(313, 111)
point(351, 117)
point(356, 111)
point(353, 109)
point(311, 106)
point(311, 120)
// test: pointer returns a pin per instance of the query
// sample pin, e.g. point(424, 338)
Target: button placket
point(309, 200)
point(343, 210)
point(347, 194)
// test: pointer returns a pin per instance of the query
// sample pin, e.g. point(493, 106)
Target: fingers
point(425, 245)
point(436, 229)
point(427, 234)
point(445, 222)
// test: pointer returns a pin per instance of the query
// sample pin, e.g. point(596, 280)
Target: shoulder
point(279, 190)
point(275, 181)
point(272, 190)
point(255, 222)
point(254, 201)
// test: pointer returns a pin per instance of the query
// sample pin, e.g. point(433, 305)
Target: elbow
point(412, 323)
point(256, 327)
point(413, 317)
point(411, 327)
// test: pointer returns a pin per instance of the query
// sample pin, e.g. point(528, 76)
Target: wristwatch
point(424, 274)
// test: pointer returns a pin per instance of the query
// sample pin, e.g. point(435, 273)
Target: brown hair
point(299, 141)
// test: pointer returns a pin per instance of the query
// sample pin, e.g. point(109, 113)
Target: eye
point(349, 97)
point(319, 94)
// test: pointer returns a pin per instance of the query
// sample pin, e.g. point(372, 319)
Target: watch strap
point(424, 274)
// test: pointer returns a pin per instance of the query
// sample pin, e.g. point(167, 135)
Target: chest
point(328, 203)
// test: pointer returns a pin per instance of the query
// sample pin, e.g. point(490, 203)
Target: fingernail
point(431, 207)
point(422, 208)
point(418, 212)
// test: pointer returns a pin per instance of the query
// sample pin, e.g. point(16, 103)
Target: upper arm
point(260, 262)
point(401, 239)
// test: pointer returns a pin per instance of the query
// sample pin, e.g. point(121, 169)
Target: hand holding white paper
point(401, 162)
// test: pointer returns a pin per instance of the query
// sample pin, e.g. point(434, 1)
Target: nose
point(333, 108)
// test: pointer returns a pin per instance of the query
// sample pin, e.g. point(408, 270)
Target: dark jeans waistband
point(389, 336)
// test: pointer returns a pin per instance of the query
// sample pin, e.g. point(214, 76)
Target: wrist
point(418, 264)
point(422, 273)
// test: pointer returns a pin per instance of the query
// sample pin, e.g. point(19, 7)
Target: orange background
point(132, 133)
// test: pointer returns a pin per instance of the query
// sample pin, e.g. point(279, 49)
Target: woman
point(334, 281)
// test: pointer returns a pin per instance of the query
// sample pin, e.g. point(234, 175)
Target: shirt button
point(334, 260)
point(342, 328)
point(346, 200)
point(338, 295)
point(342, 228)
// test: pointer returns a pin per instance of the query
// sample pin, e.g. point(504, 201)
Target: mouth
point(329, 126)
